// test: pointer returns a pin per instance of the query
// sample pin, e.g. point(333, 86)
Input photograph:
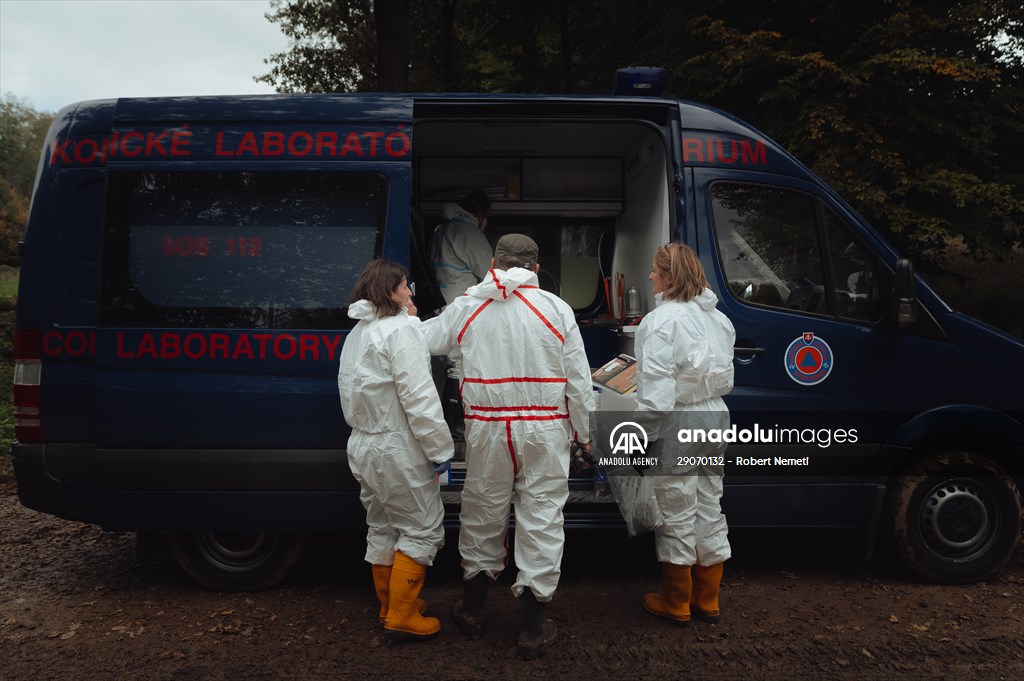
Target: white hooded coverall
point(684, 366)
point(526, 389)
point(389, 400)
point(461, 253)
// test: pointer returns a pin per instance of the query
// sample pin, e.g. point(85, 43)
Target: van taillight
point(28, 417)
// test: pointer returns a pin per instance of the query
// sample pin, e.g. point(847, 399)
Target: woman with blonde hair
point(399, 444)
point(684, 358)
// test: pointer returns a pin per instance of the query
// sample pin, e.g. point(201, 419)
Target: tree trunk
point(447, 45)
point(563, 25)
point(391, 19)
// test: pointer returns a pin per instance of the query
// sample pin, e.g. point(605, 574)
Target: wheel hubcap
point(955, 519)
point(237, 551)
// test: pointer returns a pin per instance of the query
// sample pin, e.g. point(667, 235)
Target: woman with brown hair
point(398, 446)
point(684, 366)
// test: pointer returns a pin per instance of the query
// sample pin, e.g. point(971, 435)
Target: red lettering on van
point(309, 344)
point(60, 152)
point(757, 155)
point(195, 345)
point(273, 143)
point(692, 146)
point(397, 138)
point(248, 145)
point(155, 143)
point(243, 347)
point(374, 137)
point(199, 345)
point(353, 145)
point(262, 339)
point(731, 158)
point(218, 148)
point(724, 150)
point(285, 354)
point(72, 344)
point(147, 346)
point(332, 346)
point(218, 345)
point(327, 141)
point(76, 343)
point(180, 139)
point(170, 346)
point(52, 343)
point(305, 138)
point(83, 156)
point(122, 353)
point(129, 150)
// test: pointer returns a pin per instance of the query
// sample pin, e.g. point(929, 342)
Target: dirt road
point(76, 603)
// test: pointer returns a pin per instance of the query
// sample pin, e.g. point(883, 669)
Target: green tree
point(913, 111)
point(22, 132)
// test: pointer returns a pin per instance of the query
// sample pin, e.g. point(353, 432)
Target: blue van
point(188, 261)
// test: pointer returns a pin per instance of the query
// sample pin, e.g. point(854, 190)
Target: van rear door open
point(226, 272)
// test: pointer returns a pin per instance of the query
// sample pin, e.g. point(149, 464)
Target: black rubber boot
point(451, 406)
point(535, 632)
point(469, 614)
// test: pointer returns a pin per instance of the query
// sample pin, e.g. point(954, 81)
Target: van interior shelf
point(574, 186)
point(583, 208)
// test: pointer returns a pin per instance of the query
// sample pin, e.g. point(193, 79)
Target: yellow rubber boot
point(673, 603)
point(707, 580)
point(403, 621)
point(382, 584)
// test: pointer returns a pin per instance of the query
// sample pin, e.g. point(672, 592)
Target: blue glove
point(441, 468)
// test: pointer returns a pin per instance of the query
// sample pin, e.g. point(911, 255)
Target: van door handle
point(748, 351)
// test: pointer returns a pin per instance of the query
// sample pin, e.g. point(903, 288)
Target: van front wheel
point(956, 517)
point(237, 561)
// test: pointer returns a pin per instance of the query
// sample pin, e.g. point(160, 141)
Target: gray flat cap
point(517, 246)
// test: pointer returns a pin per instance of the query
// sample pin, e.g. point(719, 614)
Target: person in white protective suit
point(527, 393)
point(461, 256)
point(398, 446)
point(684, 366)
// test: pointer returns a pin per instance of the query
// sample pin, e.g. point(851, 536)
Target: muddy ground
point(77, 603)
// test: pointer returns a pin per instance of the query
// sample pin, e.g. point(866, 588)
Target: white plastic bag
point(634, 495)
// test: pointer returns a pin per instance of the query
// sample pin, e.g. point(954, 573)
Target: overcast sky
point(55, 52)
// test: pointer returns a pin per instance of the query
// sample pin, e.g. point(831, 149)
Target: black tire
point(955, 517)
point(237, 561)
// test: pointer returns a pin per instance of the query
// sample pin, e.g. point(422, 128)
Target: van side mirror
point(906, 299)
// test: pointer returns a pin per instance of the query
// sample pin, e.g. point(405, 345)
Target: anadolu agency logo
point(628, 438)
point(628, 443)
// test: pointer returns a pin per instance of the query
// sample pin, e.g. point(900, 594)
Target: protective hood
point(450, 211)
point(707, 299)
point(499, 284)
point(364, 309)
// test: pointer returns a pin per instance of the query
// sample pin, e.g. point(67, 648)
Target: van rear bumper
point(188, 490)
point(41, 472)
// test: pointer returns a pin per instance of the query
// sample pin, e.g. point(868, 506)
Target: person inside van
point(461, 253)
point(398, 446)
point(684, 366)
point(461, 258)
point(527, 389)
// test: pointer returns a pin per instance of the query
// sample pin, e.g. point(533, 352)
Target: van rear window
point(237, 249)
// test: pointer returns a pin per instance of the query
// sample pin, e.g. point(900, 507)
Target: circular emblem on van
point(808, 359)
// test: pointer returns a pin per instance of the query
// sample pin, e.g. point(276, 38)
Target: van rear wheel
point(237, 561)
point(955, 517)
